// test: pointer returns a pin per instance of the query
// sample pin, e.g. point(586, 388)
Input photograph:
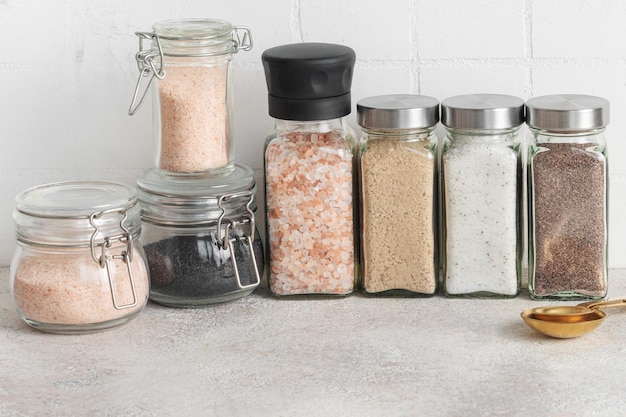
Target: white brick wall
point(67, 73)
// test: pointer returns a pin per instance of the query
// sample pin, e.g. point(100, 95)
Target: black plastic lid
point(309, 81)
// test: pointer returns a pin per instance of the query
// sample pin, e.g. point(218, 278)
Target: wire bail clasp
point(247, 238)
point(242, 38)
point(104, 258)
point(146, 59)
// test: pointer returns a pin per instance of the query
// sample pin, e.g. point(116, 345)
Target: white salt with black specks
point(481, 183)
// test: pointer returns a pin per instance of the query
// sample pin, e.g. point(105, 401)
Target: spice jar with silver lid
point(481, 186)
point(398, 182)
point(192, 94)
point(309, 170)
point(200, 236)
point(567, 192)
point(78, 266)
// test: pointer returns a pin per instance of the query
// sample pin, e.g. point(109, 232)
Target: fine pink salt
point(309, 190)
point(194, 118)
point(73, 289)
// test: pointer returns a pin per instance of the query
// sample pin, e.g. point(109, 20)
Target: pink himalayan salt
point(194, 118)
point(73, 289)
point(310, 214)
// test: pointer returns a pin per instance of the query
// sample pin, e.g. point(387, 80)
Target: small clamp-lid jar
point(481, 175)
point(200, 237)
point(192, 97)
point(309, 170)
point(397, 159)
point(567, 192)
point(78, 265)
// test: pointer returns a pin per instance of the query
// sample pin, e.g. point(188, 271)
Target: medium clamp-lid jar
point(309, 170)
point(481, 174)
point(397, 156)
point(192, 97)
point(567, 192)
point(200, 237)
point(78, 265)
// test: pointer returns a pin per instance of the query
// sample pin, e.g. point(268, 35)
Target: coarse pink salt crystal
point(194, 129)
point(316, 254)
point(71, 289)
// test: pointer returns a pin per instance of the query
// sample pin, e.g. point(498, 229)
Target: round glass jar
point(310, 178)
point(567, 193)
point(398, 180)
point(200, 237)
point(192, 95)
point(481, 189)
point(78, 265)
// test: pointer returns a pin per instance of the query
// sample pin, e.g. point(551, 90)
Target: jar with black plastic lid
point(310, 175)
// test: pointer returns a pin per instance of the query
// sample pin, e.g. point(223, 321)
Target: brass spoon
point(566, 322)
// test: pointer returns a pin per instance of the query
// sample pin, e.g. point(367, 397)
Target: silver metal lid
point(398, 111)
point(567, 112)
point(482, 111)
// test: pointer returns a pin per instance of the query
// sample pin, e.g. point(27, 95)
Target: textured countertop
point(354, 356)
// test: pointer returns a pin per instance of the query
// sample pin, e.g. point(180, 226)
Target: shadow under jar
point(567, 194)
point(78, 266)
point(200, 237)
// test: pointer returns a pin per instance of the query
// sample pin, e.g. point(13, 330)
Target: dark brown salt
point(569, 195)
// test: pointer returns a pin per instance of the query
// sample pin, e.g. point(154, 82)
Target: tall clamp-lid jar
point(398, 179)
point(200, 237)
point(481, 184)
point(309, 170)
point(567, 192)
point(78, 265)
point(192, 97)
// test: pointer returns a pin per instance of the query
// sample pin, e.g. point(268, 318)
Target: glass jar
point(78, 266)
point(309, 170)
point(567, 192)
point(192, 97)
point(200, 237)
point(482, 195)
point(398, 194)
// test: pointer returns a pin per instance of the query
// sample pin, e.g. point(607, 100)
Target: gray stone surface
point(355, 356)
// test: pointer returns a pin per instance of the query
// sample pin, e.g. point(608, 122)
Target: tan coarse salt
point(309, 191)
point(72, 289)
point(398, 203)
point(194, 118)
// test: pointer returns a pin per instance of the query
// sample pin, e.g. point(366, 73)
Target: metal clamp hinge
point(247, 238)
point(146, 62)
point(242, 38)
point(104, 258)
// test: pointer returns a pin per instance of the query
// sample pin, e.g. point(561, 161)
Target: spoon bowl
point(563, 322)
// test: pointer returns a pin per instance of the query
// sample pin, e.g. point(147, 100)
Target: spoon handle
point(620, 302)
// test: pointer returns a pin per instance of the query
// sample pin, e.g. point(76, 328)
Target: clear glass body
point(192, 103)
point(398, 211)
point(310, 209)
point(567, 215)
point(78, 265)
point(200, 237)
point(481, 189)
point(62, 290)
point(190, 267)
